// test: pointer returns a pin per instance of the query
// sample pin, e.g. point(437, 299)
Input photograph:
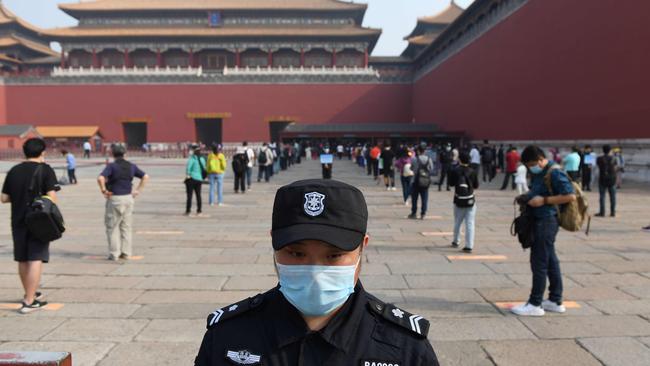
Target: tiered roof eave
point(7, 17)
point(443, 18)
point(77, 9)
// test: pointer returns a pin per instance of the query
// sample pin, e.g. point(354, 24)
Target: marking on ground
point(153, 232)
point(101, 257)
point(437, 233)
point(14, 306)
point(477, 257)
point(510, 305)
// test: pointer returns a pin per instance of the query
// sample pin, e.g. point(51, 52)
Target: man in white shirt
point(475, 158)
point(87, 148)
point(251, 163)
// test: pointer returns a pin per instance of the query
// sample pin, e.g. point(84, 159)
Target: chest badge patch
point(243, 357)
point(398, 313)
point(379, 363)
point(314, 205)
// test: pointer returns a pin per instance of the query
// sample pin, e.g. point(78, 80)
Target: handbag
point(43, 219)
point(523, 226)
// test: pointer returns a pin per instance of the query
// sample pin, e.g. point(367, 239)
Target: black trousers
point(193, 187)
point(509, 176)
point(586, 178)
point(240, 182)
point(487, 171)
point(72, 176)
point(444, 171)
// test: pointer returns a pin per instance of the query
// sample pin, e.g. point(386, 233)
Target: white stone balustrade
point(127, 71)
point(352, 71)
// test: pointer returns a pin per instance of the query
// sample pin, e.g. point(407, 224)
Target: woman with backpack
point(404, 166)
point(422, 165)
point(216, 168)
point(464, 179)
point(194, 176)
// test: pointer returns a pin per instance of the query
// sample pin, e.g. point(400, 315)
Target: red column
point(365, 58)
point(159, 60)
point(237, 57)
point(95, 59)
point(302, 57)
point(191, 58)
point(127, 61)
point(270, 61)
point(334, 58)
point(62, 59)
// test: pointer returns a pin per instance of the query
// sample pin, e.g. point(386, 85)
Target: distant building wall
point(554, 69)
point(165, 107)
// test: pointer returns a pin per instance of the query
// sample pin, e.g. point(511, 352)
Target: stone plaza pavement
point(152, 311)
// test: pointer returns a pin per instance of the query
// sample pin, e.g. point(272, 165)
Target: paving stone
point(92, 282)
point(175, 311)
point(524, 268)
point(439, 268)
point(83, 353)
point(526, 280)
point(194, 270)
point(14, 328)
point(611, 279)
point(101, 330)
point(377, 282)
point(261, 283)
point(618, 351)
point(622, 307)
point(461, 354)
point(426, 296)
point(233, 258)
point(477, 329)
point(93, 295)
point(182, 283)
point(588, 326)
point(152, 354)
point(184, 330)
point(180, 297)
point(89, 310)
point(625, 267)
point(538, 353)
point(642, 292)
point(459, 281)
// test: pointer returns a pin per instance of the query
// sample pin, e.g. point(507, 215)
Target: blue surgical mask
point(536, 169)
point(316, 290)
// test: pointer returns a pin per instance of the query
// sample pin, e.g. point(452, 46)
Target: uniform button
point(379, 307)
point(256, 301)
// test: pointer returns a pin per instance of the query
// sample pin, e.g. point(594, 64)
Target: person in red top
point(374, 160)
point(512, 160)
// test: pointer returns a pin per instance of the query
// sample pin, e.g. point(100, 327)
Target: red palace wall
point(165, 107)
point(555, 69)
point(3, 105)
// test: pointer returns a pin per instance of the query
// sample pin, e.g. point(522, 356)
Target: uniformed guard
point(319, 314)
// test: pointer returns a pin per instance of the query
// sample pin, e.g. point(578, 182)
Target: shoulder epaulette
point(234, 310)
point(412, 322)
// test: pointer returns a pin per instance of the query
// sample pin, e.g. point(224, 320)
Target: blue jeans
point(612, 198)
point(467, 214)
point(407, 183)
point(544, 262)
point(218, 180)
point(249, 174)
point(424, 194)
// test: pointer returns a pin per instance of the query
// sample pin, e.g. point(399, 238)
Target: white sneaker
point(393, 188)
point(551, 306)
point(388, 188)
point(528, 310)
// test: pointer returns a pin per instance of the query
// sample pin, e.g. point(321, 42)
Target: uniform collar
point(289, 327)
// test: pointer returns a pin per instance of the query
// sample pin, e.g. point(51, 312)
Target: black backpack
point(261, 159)
point(523, 226)
point(43, 219)
point(463, 190)
point(239, 163)
point(607, 171)
point(204, 171)
point(422, 176)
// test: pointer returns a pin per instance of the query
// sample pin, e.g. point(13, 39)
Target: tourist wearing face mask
point(543, 259)
point(319, 314)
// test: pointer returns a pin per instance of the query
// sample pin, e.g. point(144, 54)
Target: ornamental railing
point(290, 70)
point(127, 71)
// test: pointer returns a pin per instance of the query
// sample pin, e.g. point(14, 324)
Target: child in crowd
point(521, 180)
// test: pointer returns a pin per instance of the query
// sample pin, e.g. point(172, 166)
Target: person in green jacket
point(216, 170)
point(196, 164)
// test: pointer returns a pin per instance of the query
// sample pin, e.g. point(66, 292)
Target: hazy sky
point(396, 17)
